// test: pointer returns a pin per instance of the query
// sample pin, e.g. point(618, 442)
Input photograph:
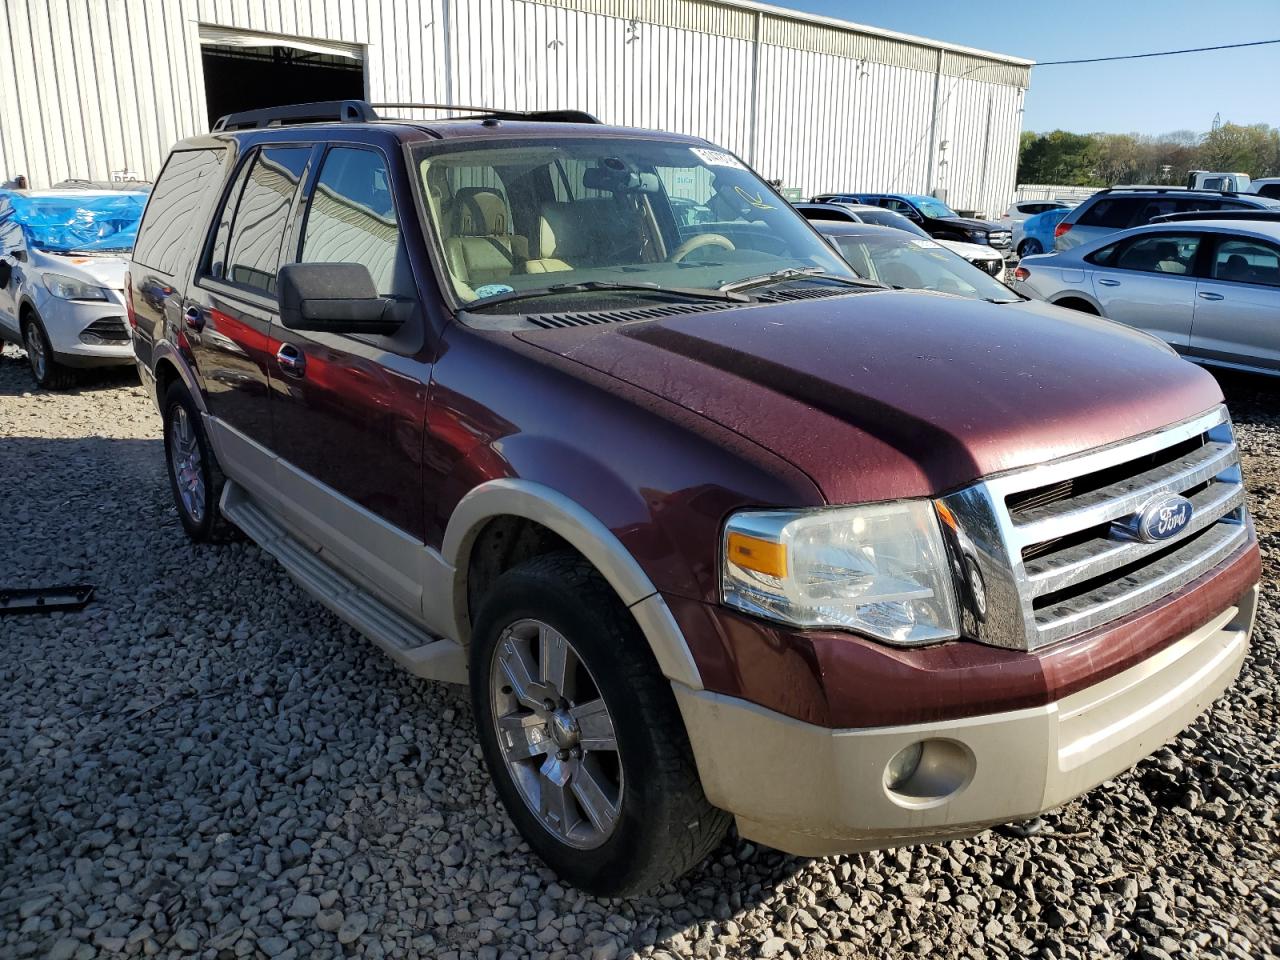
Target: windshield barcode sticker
point(717, 158)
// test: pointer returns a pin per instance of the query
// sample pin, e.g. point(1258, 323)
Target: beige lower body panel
point(813, 791)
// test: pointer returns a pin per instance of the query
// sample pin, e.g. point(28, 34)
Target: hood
point(887, 394)
point(971, 251)
point(970, 223)
point(104, 271)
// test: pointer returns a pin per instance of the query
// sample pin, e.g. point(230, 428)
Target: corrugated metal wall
point(108, 85)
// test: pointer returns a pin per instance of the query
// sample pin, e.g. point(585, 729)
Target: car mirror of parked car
point(334, 298)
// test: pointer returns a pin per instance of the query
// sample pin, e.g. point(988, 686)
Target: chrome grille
point(1042, 538)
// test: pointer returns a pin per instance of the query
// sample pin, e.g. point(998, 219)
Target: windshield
point(912, 263)
point(527, 215)
point(72, 222)
point(934, 208)
point(887, 218)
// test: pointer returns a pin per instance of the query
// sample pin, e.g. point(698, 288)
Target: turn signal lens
point(759, 555)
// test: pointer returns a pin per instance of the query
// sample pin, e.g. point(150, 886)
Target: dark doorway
point(247, 78)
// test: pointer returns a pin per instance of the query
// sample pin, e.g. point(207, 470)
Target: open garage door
point(246, 71)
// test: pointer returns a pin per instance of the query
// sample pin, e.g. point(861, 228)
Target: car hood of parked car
point(884, 395)
point(972, 223)
point(971, 251)
point(104, 271)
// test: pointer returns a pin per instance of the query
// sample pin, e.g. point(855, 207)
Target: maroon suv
point(713, 529)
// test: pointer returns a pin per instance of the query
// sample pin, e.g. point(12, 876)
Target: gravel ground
point(206, 762)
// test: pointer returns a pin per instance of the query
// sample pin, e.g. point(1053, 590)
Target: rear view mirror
point(333, 298)
point(614, 177)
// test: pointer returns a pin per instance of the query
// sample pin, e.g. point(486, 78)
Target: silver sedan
point(1210, 288)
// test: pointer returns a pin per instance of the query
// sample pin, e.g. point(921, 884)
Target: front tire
point(194, 477)
point(46, 371)
point(581, 732)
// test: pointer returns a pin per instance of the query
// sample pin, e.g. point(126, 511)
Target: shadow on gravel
point(87, 381)
point(1250, 396)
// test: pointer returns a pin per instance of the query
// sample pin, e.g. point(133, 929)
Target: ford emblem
point(1161, 518)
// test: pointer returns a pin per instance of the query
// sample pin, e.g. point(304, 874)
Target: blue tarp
point(76, 221)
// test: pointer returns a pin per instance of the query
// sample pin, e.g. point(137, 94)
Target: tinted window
point(1271, 190)
point(1114, 213)
point(1161, 253)
point(887, 218)
point(352, 219)
point(1247, 261)
point(186, 177)
point(218, 254)
point(262, 216)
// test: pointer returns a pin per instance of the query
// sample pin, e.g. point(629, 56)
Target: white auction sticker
point(717, 158)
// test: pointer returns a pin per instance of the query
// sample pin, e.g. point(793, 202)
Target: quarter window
point(185, 180)
point(1247, 261)
point(262, 217)
point(1112, 212)
point(1162, 253)
point(352, 219)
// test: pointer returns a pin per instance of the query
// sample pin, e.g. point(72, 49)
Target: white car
point(1022, 211)
point(987, 259)
point(62, 263)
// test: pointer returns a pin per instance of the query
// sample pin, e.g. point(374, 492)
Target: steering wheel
point(699, 240)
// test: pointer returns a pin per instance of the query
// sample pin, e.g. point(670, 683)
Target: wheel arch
point(167, 365)
point(581, 530)
point(1078, 301)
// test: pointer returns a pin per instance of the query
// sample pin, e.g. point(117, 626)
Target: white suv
point(62, 266)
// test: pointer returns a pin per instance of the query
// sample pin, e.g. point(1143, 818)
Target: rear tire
point(1029, 248)
point(613, 805)
point(46, 371)
point(195, 480)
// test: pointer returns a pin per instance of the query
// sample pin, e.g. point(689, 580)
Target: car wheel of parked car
point(1029, 248)
point(582, 734)
point(194, 476)
point(46, 371)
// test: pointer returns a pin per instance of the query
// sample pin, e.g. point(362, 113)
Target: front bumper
point(66, 320)
point(812, 791)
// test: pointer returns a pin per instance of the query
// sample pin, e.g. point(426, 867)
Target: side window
point(352, 219)
point(1106, 256)
point(217, 264)
point(1114, 213)
point(262, 217)
point(186, 177)
point(1160, 253)
point(897, 206)
point(1247, 261)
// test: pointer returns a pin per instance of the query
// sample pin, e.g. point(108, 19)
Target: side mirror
point(333, 298)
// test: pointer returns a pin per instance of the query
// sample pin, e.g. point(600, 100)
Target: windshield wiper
point(794, 273)
point(587, 286)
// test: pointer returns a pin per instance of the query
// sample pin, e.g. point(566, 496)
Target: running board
point(407, 644)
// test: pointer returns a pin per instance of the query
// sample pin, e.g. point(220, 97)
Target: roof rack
point(324, 111)
point(485, 113)
point(1265, 214)
point(1157, 188)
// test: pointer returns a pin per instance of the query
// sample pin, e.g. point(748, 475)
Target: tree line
point(1106, 159)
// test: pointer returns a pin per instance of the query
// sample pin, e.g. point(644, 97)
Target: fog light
point(903, 765)
point(88, 337)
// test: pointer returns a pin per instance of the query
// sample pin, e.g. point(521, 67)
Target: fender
point(590, 537)
point(165, 350)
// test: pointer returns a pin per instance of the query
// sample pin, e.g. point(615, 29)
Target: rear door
point(227, 316)
point(1237, 307)
point(348, 411)
point(1149, 282)
point(168, 243)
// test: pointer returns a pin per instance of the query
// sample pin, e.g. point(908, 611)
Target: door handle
point(193, 317)
point(1206, 295)
point(292, 360)
point(1105, 282)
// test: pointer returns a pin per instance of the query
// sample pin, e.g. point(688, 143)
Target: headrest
point(479, 212)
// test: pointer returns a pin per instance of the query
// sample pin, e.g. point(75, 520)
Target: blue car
point(1037, 231)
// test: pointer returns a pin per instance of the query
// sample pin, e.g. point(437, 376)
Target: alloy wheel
point(184, 457)
point(555, 734)
point(36, 353)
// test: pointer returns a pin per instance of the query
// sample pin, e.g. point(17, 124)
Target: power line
point(1162, 53)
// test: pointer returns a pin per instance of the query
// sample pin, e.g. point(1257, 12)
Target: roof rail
point(1165, 188)
point(324, 111)
point(1265, 214)
point(547, 116)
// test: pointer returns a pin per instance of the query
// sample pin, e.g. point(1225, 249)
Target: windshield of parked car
point(527, 215)
point(912, 263)
point(934, 208)
point(887, 218)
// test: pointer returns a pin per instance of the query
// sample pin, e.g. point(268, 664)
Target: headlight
point(69, 288)
point(978, 236)
point(880, 569)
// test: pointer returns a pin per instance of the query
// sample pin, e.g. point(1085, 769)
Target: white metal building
point(99, 89)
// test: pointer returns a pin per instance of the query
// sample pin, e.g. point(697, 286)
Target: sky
point(1138, 96)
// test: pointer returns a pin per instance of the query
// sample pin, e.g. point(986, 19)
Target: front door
point(1237, 311)
point(1149, 282)
point(348, 411)
point(229, 310)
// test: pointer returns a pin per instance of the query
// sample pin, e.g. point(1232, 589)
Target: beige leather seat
point(481, 247)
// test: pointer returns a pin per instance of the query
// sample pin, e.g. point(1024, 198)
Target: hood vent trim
point(560, 321)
